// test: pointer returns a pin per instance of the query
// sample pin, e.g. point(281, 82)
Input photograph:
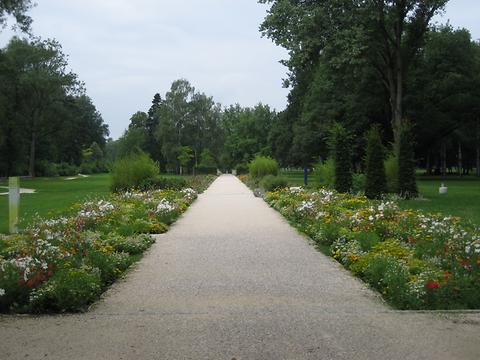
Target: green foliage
point(68, 290)
point(46, 116)
point(324, 173)
point(242, 169)
point(408, 256)
point(342, 152)
point(18, 9)
point(131, 171)
point(261, 166)
point(185, 155)
point(358, 183)
point(407, 183)
point(391, 173)
point(93, 245)
point(133, 245)
point(272, 182)
point(162, 182)
point(375, 185)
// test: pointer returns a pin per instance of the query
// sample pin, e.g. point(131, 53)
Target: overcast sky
point(126, 51)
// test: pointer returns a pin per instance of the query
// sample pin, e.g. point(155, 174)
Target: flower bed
point(64, 264)
point(415, 260)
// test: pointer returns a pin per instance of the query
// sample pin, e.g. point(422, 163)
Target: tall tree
point(18, 9)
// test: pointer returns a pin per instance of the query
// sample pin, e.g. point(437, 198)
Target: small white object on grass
point(442, 190)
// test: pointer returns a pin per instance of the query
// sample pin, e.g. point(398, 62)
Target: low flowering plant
point(415, 260)
point(63, 264)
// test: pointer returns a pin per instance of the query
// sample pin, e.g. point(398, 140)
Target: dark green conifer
point(376, 182)
point(342, 152)
point(407, 183)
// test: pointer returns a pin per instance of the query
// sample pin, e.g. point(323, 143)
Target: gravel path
point(233, 280)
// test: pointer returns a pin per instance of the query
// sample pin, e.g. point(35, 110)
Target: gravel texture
point(232, 279)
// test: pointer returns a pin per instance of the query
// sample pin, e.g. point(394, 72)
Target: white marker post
point(14, 203)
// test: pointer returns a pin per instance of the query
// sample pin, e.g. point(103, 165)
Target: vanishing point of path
point(233, 280)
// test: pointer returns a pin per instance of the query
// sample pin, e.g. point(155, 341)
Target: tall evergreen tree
point(407, 183)
point(376, 181)
point(342, 152)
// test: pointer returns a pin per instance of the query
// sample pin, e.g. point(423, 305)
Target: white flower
point(295, 189)
point(2, 292)
point(165, 206)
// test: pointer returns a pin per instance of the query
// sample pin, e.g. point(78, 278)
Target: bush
point(376, 183)
point(65, 169)
point(88, 168)
point(325, 173)
point(271, 183)
point(47, 169)
point(342, 151)
point(67, 290)
point(162, 182)
point(242, 169)
point(206, 170)
point(391, 172)
point(132, 171)
point(262, 166)
point(358, 183)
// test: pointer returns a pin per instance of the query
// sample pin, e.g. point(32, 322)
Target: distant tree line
point(187, 131)
point(48, 125)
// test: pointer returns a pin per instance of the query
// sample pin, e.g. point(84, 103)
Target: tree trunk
point(460, 159)
point(443, 158)
point(31, 167)
point(429, 164)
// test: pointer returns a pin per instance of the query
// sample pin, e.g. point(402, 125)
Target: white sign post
point(13, 203)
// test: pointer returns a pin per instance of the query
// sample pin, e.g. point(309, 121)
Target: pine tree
point(407, 183)
point(342, 152)
point(376, 181)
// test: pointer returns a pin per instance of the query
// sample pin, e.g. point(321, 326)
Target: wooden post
point(14, 203)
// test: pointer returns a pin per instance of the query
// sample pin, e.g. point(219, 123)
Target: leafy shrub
point(111, 264)
point(133, 170)
point(376, 183)
point(133, 245)
point(271, 183)
point(206, 170)
point(325, 173)
point(88, 168)
point(391, 172)
point(67, 290)
point(358, 183)
point(65, 169)
point(162, 182)
point(367, 239)
point(46, 168)
point(262, 166)
point(242, 169)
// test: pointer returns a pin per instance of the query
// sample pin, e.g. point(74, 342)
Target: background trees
point(361, 63)
point(45, 115)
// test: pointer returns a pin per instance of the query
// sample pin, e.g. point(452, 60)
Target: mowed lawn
point(53, 196)
point(463, 198)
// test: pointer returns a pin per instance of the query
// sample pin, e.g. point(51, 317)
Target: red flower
point(432, 285)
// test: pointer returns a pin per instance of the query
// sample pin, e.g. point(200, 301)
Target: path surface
point(233, 279)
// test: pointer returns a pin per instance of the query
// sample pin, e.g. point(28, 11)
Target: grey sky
point(126, 51)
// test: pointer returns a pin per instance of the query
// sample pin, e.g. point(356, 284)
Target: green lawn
point(53, 196)
point(463, 198)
